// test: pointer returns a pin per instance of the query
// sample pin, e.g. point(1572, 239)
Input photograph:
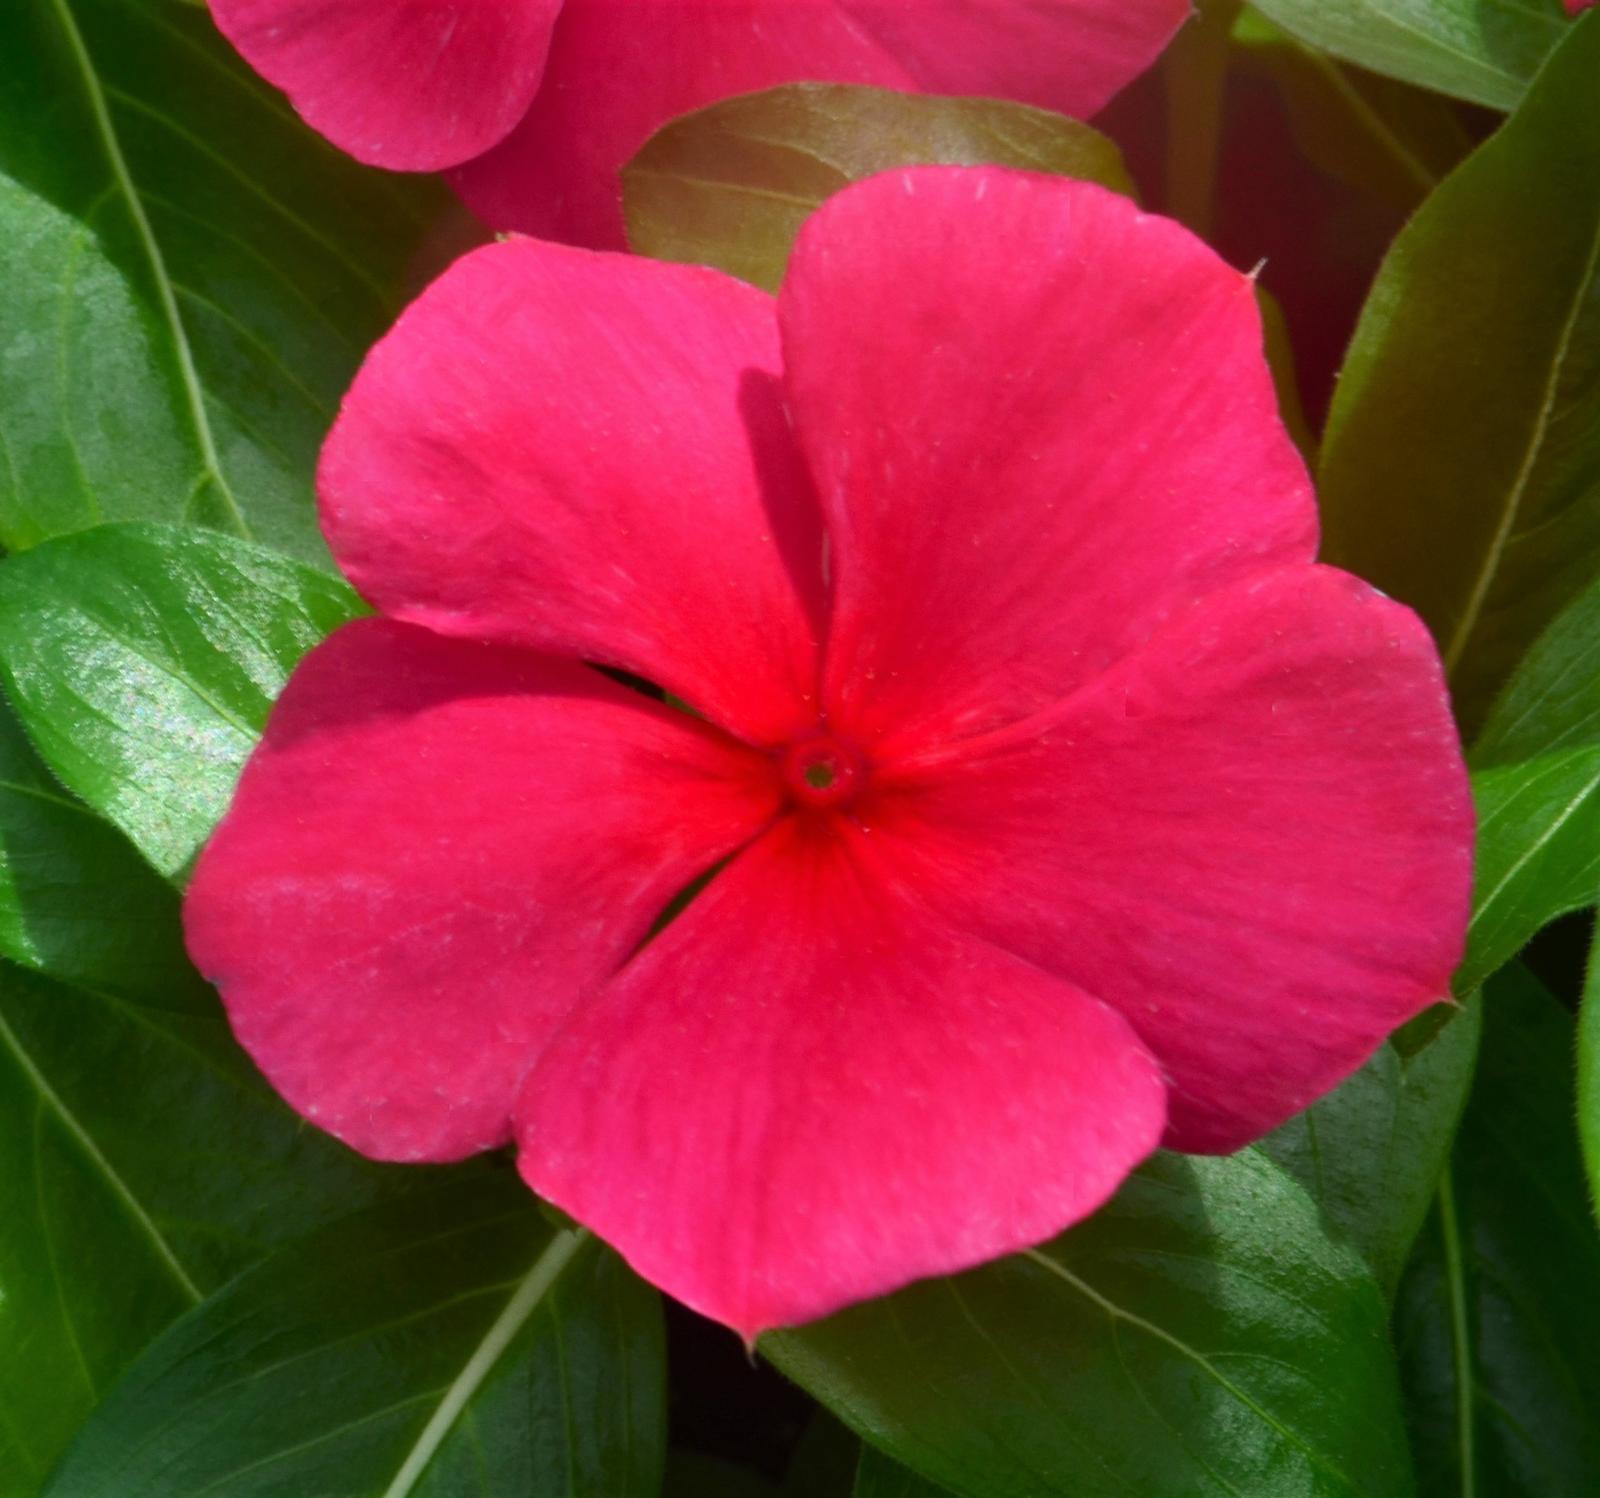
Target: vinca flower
point(1051, 802)
point(540, 102)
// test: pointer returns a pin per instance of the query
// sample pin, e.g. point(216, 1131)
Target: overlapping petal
point(1253, 838)
point(1040, 422)
point(806, 1092)
point(588, 454)
point(620, 69)
point(438, 848)
point(414, 85)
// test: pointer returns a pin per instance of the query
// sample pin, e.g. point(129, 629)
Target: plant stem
point(1195, 71)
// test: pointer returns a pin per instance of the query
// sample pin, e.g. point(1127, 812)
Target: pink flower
point(544, 101)
point(1574, 6)
point(1064, 806)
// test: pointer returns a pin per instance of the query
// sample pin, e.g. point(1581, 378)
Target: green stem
point(1195, 71)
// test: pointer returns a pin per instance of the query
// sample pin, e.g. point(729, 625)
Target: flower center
point(821, 771)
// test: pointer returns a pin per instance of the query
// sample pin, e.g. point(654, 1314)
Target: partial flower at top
point(540, 102)
point(1059, 803)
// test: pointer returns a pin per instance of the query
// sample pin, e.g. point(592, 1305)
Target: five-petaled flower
point(540, 102)
point(1060, 803)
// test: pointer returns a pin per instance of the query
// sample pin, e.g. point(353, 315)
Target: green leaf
point(188, 277)
point(1498, 1327)
point(446, 1344)
point(824, 1460)
point(1371, 1152)
point(1384, 139)
point(1484, 50)
point(1202, 1334)
point(1589, 1076)
point(1461, 464)
point(1538, 853)
point(76, 902)
point(1279, 349)
point(730, 185)
point(878, 1477)
point(142, 1163)
point(1537, 785)
point(142, 660)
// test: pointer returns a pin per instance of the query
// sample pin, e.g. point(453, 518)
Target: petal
point(413, 85)
point(806, 1092)
point(1253, 838)
point(1040, 421)
point(620, 69)
point(588, 454)
point(435, 849)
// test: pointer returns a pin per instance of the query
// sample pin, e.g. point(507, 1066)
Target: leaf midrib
point(96, 1157)
point(525, 1300)
point(1442, 46)
point(1551, 765)
point(1460, 1335)
point(194, 395)
point(1121, 1313)
point(1505, 532)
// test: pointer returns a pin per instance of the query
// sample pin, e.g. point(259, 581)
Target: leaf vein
point(85, 1142)
point(188, 373)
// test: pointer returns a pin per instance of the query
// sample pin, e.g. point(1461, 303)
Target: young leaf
point(1461, 464)
point(142, 660)
point(76, 902)
point(730, 185)
point(142, 1163)
point(1484, 50)
point(1201, 1334)
point(188, 277)
point(1499, 1334)
point(1371, 1151)
point(1536, 781)
point(449, 1343)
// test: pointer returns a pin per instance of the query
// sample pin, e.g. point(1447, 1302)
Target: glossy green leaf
point(1202, 1334)
point(1461, 464)
point(188, 277)
point(730, 185)
point(1536, 781)
point(1588, 1077)
point(1484, 50)
point(879, 1477)
point(143, 1162)
point(1370, 1152)
point(1588, 1063)
point(1498, 1325)
point(76, 902)
point(142, 660)
point(452, 1343)
point(1538, 853)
